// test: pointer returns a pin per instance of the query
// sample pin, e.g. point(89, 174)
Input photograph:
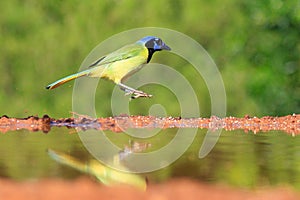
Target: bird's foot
point(137, 93)
point(135, 96)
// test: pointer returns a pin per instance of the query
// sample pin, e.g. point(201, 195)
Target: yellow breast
point(122, 69)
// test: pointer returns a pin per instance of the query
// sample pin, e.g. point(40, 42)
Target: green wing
point(123, 53)
point(97, 62)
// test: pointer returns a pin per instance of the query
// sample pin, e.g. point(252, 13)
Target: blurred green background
point(255, 44)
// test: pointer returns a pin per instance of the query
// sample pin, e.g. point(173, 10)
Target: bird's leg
point(130, 91)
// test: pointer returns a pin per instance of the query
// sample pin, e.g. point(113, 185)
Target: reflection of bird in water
point(120, 64)
point(106, 175)
point(133, 147)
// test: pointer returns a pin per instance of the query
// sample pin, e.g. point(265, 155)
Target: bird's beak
point(165, 47)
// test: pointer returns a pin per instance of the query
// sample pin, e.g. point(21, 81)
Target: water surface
point(238, 159)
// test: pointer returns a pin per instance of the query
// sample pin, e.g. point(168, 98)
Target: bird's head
point(154, 43)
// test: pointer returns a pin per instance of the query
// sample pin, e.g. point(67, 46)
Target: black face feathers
point(154, 44)
point(150, 54)
point(157, 44)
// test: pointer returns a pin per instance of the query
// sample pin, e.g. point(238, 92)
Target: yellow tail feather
point(67, 79)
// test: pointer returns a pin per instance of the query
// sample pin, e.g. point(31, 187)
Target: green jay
point(120, 64)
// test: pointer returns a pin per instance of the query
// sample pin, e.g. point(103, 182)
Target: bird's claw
point(136, 94)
